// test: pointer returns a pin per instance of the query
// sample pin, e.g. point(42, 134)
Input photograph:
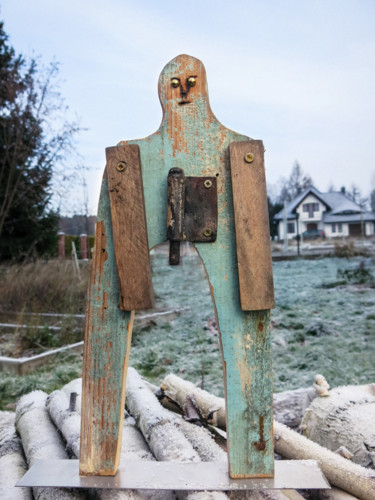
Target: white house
point(334, 213)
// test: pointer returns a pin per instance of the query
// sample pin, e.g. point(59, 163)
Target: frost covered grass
point(317, 328)
point(52, 376)
point(324, 322)
point(320, 328)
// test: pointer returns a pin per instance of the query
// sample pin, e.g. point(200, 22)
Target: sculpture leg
point(107, 346)
point(246, 348)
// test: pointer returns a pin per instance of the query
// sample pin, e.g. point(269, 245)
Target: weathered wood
point(338, 470)
point(252, 225)
point(334, 494)
point(345, 419)
point(133, 447)
point(129, 227)
point(190, 137)
point(12, 461)
point(169, 437)
point(68, 422)
point(41, 441)
point(107, 345)
point(288, 407)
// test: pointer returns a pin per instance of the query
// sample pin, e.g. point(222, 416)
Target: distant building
point(334, 213)
point(78, 224)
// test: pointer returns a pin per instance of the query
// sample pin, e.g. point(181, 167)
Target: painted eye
point(192, 81)
point(175, 82)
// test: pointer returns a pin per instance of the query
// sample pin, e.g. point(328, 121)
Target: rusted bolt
point(121, 166)
point(207, 183)
point(207, 233)
point(175, 82)
point(249, 157)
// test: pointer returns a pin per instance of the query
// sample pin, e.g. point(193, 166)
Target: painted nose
point(183, 91)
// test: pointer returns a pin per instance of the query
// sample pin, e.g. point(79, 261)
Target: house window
point(310, 208)
point(290, 228)
point(333, 228)
point(339, 227)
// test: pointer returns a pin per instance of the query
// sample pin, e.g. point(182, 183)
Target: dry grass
point(29, 289)
point(43, 286)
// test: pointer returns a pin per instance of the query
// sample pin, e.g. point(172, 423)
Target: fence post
point(61, 236)
point(83, 246)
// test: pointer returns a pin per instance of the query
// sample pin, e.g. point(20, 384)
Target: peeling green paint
point(190, 137)
point(207, 144)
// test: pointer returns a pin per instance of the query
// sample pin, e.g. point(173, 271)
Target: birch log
point(12, 461)
point(338, 470)
point(264, 495)
point(288, 406)
point(345, 419)
point(133, 447)
point(68, 422)
point(335, 494)
point(164, 432)
point(41, 441)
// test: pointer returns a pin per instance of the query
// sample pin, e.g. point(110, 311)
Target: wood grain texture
point(129, 227)
point(190, 137)
point(252, 226)
point(106, 353)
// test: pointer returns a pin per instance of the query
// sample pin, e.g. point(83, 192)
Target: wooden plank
point(252, 225)
point(107, 345)
point(129, 227)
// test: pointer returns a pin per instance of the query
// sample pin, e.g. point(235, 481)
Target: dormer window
point(310, 208)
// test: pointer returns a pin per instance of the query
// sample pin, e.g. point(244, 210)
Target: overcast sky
point(300, 75)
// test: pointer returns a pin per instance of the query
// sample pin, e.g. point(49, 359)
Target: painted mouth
point(181, 103)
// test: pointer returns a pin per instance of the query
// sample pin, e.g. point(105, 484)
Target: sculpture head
point(182, 82)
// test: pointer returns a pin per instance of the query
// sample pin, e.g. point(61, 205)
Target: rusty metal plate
point(200, 220)
point(147, 475)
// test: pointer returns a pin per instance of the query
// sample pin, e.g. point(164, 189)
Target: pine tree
point(30, 149)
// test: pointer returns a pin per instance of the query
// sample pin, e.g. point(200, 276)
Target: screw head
point(121, 166)
point(249, 157)
point(207, 183)
point(192, 81)
point(175, 82)
point(207, 233)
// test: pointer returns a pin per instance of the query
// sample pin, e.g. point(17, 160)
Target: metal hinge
point(192, 211)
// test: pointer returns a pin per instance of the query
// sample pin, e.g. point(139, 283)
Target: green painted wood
point(107, 344)
point(190, 137)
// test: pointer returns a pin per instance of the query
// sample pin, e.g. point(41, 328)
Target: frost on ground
point(322, 329)
point(320, 325)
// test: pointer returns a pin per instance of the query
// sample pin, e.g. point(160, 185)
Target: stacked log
point(345, 420)
point(49, 428)
point(12, 461)
point(41, 441)
point(339, 471)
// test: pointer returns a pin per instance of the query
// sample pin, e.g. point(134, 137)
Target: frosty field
point(323, 323)
point(316, 329)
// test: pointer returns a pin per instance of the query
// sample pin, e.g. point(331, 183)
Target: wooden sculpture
point(193, 180)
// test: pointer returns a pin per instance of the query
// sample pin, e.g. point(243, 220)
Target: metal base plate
point(174, 476)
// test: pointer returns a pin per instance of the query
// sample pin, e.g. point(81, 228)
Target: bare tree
point(32, 150)
point(297, 182)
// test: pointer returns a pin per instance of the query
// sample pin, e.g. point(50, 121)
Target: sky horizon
point(300, 76)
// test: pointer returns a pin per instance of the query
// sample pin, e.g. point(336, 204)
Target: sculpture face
point(181, 84)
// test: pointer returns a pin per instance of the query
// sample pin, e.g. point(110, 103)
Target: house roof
point(340, 203)
point(365, 217)
point(337, 203)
